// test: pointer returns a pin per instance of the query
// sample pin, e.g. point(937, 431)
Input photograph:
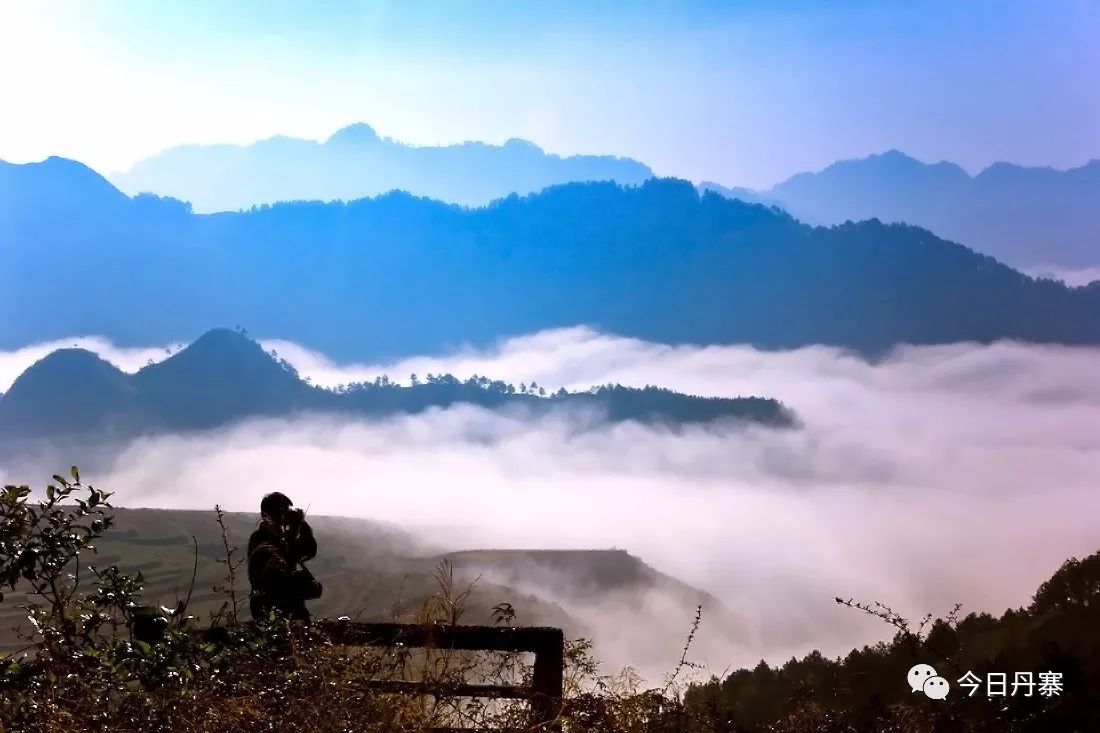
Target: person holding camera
point(276, 552)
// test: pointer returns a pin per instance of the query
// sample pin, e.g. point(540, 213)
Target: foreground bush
point(97, 658)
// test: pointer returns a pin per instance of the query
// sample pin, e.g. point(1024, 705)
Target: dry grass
point(299, 681)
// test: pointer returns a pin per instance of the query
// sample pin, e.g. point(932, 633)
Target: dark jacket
point(279, 583)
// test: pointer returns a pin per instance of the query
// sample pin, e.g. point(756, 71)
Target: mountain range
point(1031, 218)
point(1037, 219)
point(224, 377)
point(355, 163)
point(398, 275)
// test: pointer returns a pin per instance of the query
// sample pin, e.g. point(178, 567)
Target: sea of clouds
point(960, 473)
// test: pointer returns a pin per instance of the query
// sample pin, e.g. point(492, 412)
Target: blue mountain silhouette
point(1037, 219)
point(225, 377)
point(354, 163)
point(397, 274)
point(1026, 217)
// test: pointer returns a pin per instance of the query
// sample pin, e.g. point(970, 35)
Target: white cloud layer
point(960, 473)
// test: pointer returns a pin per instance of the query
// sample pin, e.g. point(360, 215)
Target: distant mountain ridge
point(1037, 219)
point(355, 163)
point(224, 377)
point(1029, 218)
point(398, 275)
point(588, 573)
point(601, 587)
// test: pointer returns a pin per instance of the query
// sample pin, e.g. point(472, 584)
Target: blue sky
point(743, 93)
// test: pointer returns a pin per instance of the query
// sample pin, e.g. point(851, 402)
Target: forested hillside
point(404, 275)
point(225, 377)
point(1059, 632)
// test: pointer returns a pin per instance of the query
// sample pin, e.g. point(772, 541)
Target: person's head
point(275, 507)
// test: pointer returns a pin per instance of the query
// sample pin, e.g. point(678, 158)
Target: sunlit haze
point(740, 93)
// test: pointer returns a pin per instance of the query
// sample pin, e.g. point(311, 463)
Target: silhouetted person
point(276, 551)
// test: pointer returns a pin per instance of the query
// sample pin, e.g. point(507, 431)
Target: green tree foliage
point(1076, 586)
point(867, 691)
point(90, 635)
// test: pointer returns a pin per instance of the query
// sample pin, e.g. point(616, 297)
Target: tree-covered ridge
point(867, 690)
point(225, 377)
point(614, 402)
point(399, 275)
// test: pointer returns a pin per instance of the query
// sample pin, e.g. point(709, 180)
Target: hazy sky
point(738, 92)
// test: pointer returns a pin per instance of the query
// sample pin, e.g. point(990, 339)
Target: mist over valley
point(915, 479)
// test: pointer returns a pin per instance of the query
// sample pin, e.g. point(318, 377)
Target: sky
point(741, 93)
